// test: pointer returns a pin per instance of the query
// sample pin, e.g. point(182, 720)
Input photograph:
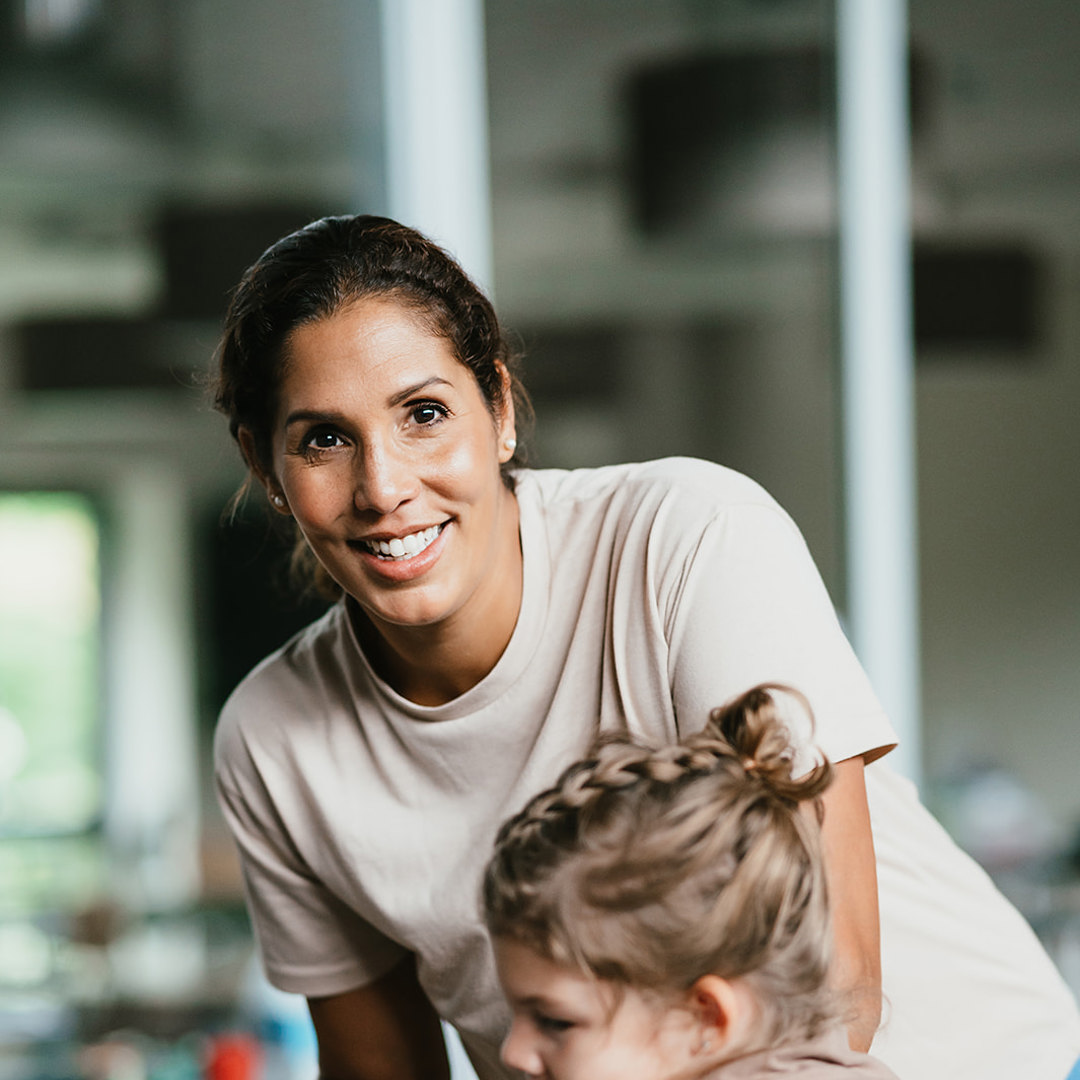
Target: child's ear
point(724, 1011)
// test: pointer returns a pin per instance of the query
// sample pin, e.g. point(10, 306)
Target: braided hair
point(651, 867)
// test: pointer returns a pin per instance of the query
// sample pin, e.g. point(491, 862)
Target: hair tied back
point(759, 739)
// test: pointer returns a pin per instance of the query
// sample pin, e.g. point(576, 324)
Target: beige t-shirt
point(651, 594)
point(827, 1057)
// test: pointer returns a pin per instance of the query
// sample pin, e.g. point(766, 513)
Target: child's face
point(569, 1026)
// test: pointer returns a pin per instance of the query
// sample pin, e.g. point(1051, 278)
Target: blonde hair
point(651, 867)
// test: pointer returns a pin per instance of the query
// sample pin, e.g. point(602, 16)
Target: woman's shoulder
point(288, 675)
point(704, 484)
point(672, 502)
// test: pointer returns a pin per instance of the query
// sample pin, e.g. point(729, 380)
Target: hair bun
point(755, 733)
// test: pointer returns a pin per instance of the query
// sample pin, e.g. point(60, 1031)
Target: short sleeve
point(750, 607)
point(311, 943)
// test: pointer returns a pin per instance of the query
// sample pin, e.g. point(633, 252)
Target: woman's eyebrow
point(307, 415)
point(331, 416)
point(404, 395)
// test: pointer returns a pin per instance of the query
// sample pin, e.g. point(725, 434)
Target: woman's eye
point(427, 413)
point(322, 440)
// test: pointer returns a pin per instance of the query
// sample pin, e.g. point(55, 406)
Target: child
point(661, 914)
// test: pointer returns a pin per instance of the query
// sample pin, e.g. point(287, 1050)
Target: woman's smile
point(388, 457)
point(402, 558)
point(402, 547)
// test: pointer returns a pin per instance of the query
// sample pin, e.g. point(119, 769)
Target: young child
point(661, 914)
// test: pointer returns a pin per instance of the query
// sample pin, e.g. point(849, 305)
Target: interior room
point(664, 243)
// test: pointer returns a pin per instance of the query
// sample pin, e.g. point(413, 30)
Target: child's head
point(681, 883)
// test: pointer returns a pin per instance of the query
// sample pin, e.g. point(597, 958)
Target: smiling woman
point(491, 620)
point(387, 456)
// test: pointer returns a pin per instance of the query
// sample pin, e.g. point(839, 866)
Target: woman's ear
point(724, 1012)
point(269, 482)
point(506, 428)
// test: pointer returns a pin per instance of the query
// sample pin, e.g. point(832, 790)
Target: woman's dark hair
point(320, 270)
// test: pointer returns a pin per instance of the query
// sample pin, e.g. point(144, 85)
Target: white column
point(435, 114)
point(877, 380)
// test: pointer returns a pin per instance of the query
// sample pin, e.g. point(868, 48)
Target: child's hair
point(652, 867)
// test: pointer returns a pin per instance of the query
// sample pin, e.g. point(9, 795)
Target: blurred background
point(658, 194)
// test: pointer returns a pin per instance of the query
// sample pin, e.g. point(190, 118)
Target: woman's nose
point(517, 1051)
point(385, 478)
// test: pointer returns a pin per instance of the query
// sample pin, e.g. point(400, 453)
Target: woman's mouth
point(402, 547)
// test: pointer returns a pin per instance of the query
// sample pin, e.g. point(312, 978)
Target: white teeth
point(404, 547)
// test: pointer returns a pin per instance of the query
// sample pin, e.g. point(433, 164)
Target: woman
point(492, 619)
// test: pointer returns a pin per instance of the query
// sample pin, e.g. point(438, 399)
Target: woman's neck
point(432, 665)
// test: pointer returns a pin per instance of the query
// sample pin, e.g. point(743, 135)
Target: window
point(50, 714)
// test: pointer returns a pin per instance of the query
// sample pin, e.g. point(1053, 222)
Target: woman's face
point(387, 455)
point(568, 1026)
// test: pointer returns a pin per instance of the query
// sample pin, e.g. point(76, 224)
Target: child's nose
point(518, 1051)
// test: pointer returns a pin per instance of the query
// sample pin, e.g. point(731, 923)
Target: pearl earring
point(278, 501)
point(511, 445)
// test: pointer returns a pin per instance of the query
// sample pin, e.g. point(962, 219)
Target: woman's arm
point(851, 873)
point(386, 1030)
